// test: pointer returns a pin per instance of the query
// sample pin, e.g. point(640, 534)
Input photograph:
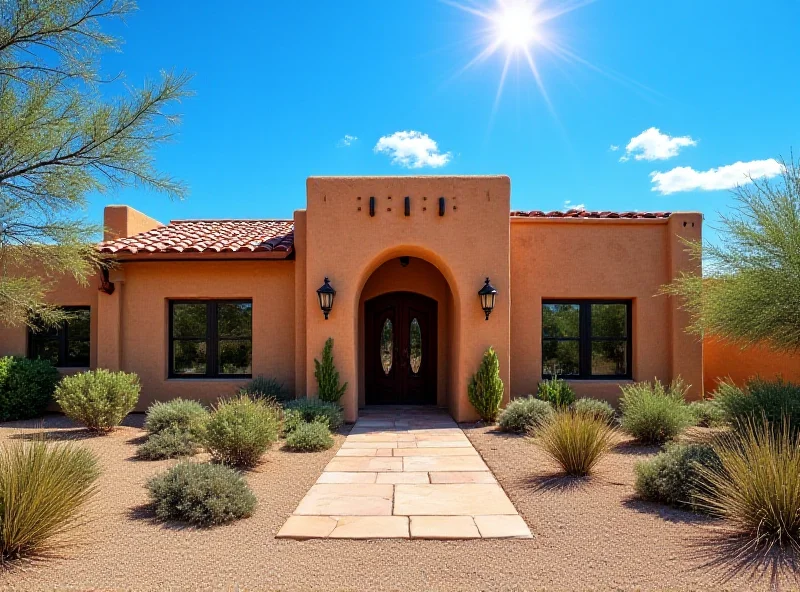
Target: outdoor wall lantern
point(487, 295)
point(325, 295)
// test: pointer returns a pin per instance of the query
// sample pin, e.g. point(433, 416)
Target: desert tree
point(62, 138)
point(750, 289)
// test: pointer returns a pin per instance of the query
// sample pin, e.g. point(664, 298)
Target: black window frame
point(62, 336)
point(585, 339)
point(212, 340)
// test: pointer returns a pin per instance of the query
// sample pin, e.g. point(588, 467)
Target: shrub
point(708, 413)
point(575, 441)
point(309, 411)
point(170, 442)
point(309, 437)
point(523, 413)
point(672, 476)
point(43, 488)
point(556, 391)
point(773, 400)
point(485, 389)
point(327, 376)
point(266, 388)
point(26, 387)
point(240, 430)
point(596, 408)
point(757, 486)
point(201, 493)
point(98, 399)
point(653, 413)
point(177, 414)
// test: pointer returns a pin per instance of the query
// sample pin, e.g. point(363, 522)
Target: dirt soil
point(588, 534)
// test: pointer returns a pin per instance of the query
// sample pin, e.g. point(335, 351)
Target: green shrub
point(708, 413)
point(672, 476)
point(43, 488)
point(773, 400)
point(240, 430)
point(301, 411)
point(523, 413)
point(596, 408)
point(177, 414)
point(653, 413)
point(171, 442)
point(266, 388)
point(327, 376)
point(757, 485)
point(98, 399)
point(557, 392)
point(309, 437)
point(485, 389)
point(575, 441)
point(201, 493)
point(26, 387)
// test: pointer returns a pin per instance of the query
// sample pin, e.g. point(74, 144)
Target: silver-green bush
point(672, 476)
point(311, 410)
point(708, 413)
point(523, 413)
point(309, 437)
point(98, 399)
point(262, 387)
point(168, 443)
point(177, 414)
point(201, 493)
point(653, 413)
point(596, 408)
point(557, 391)
point(240, 430)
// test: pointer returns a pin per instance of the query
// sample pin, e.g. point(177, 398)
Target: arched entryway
point(400, 351)
point(405, 320)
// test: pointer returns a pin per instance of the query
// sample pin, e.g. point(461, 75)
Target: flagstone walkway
point(406, 472)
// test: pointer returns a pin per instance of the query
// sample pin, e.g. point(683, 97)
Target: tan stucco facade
point(448, 248)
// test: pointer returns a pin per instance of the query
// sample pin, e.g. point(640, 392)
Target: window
point(66, 345)
point(586, 339)
point(210, 338)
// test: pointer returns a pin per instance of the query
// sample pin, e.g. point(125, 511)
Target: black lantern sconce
point(325, 294)
point(487, 295)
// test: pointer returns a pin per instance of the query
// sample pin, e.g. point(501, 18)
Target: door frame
point(430, 353)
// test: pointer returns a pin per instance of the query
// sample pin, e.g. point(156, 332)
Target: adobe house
point(197, 307)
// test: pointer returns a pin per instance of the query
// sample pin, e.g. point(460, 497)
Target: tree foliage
point(750, 292)
point(62, 138)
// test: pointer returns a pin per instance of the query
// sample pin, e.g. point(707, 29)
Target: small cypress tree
point(327, 376)
point(485, 389)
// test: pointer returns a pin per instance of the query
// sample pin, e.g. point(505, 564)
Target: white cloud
point(412, 150)
point(724, 177)
point(568, 206)
point(346, 141)
point(613, 147)
point(651, 144)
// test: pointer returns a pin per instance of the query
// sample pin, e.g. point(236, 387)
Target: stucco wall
point(601, 259)
point(726, 360)
point(467, 244)
point(423, 278)
point(146, 290)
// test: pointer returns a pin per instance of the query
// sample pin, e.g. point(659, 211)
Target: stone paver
point(405, 472)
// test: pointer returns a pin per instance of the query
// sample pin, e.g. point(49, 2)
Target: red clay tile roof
point(588, 214)
point(208, 236)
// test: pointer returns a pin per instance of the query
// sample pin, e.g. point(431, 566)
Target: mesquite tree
point(750, 292)
point(62, 139)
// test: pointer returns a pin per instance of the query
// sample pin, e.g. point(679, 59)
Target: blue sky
point(279, 85)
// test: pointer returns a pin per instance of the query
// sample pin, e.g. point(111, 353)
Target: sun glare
point(515, 25)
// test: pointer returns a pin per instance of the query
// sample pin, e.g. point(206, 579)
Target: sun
point(515, 25)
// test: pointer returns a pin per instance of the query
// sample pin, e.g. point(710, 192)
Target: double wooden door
point(400, 357)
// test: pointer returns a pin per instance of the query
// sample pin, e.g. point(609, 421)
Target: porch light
point(325, 295)
point(487, 295)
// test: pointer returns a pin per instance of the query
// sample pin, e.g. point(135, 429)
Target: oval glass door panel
point(387, 346)
point(415, 348)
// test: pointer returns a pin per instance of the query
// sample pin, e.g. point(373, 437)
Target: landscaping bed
point(589, 533)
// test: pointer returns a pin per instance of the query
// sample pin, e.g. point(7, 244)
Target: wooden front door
point(400, 357)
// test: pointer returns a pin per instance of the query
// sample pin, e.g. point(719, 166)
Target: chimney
point(124, 221)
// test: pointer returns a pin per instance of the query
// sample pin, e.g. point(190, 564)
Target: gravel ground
point(588, 535)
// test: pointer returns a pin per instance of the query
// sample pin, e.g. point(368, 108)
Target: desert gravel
point(588, 535)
